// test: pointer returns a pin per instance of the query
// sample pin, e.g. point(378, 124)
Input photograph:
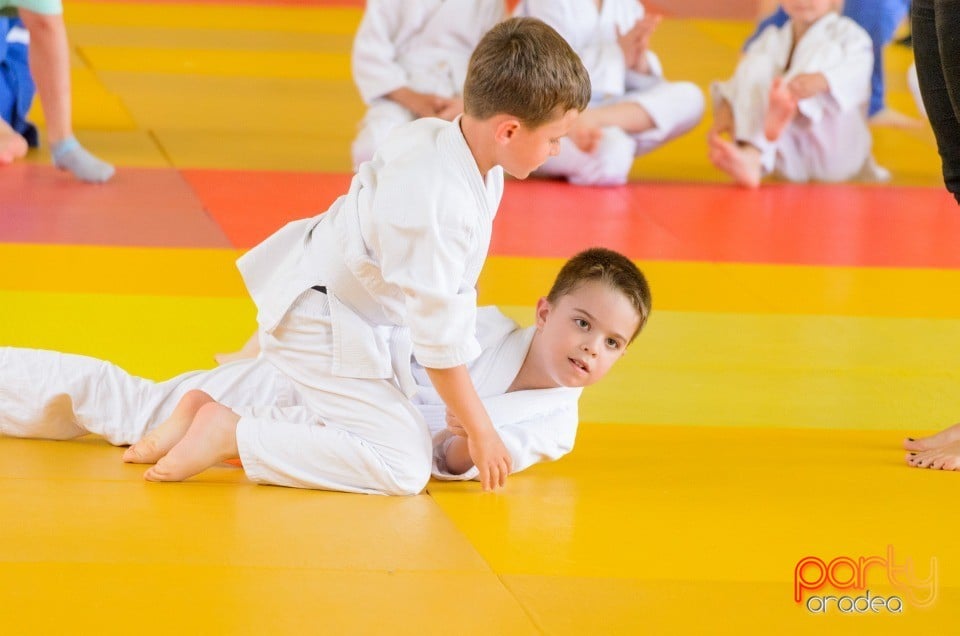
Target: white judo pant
point(674, 107)
point(308, 429)
point(350, 434)
point(822, 143)
point(52, 395)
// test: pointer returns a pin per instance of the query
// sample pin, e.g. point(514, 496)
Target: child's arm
point(420, 104)
point(636, 44)
point(535, 426)
point(848, 81)
point(376, 71)
point(484, 446)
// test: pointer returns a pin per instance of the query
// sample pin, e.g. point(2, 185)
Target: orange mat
point(251, 205)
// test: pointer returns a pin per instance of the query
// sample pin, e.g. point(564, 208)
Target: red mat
point(148, 207)
point(788, 224)
point(832, 225)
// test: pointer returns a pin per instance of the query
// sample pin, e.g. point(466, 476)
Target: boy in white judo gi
point(410, 60)
point(633, 109)
point(389, 269)
point(529, 379)
point(796, 105)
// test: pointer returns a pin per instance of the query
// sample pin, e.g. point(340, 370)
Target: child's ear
point(506, 129)
point(543, 310)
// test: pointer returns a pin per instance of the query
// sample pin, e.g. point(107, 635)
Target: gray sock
point(70, 155)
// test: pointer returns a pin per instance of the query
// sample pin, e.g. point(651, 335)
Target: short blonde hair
point(522, 67)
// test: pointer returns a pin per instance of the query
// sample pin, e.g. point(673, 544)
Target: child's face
point(584, 333)
point(807, 11)
point(526, 149)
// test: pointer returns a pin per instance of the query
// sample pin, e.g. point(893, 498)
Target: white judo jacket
point(593, 35)
point(535, 425)
point(399, 254)
point(421, 44)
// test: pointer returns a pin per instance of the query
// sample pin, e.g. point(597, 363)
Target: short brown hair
point(608, 267)
point(522, 67)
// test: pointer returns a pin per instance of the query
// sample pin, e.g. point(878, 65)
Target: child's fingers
point(504, 471)
point(488, 478)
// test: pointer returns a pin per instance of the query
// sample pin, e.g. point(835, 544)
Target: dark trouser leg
point(938, 69)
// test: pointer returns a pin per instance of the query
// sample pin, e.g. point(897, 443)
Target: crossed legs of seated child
point(602, 144)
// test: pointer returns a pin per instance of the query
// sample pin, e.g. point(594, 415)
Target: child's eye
point(613, 343)
point(580, 322)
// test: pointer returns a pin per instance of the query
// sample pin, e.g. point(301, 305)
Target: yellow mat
point(756, 422)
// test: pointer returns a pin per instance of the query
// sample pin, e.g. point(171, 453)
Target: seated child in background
point(410, 60)
point(633, 109)
point(880, 19)
point(16, 92)
point(345, 298)
point(50, 67)
point(530, 379)
point(796, 105)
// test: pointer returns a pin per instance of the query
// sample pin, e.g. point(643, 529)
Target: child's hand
point(644, 29)
point(722, 120)
point(450, 108)
point(420, 104)
point(490, 456)
point(807, 85)
point(454, 425)
point(636, 42)
point(630, 46)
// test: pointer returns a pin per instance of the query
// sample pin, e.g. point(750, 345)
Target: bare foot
point(740, 162)
point(781, 108)
point(894, 119)
point(160, 440)
point(211, 439)
point(586, 137)
point(942, 458)
point(12, 145)
point(944, 437)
